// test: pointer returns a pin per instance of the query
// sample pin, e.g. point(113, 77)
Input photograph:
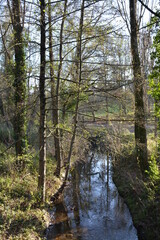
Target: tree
point(19, 79)
point(149, 9)
point(78, 76)
point(155, 79)
point(42, 128)
point(55, 83)
point(140, 129)
point(53, 92)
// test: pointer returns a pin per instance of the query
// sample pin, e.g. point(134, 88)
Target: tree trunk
point(105, 86)
point(140, 129)
point(57, 133)
point(42, 129)
point(19, 82)
point(79, 77)
point(61, 130)
point(55, 90)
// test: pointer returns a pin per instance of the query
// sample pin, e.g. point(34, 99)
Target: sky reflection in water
point(91, 208)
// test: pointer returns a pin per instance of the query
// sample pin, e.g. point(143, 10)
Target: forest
point(79, 119)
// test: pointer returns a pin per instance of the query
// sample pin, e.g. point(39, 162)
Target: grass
point(21, 215)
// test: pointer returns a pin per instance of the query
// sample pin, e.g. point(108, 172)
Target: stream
point(91, 208)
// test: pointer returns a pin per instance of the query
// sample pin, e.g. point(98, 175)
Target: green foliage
point(154, 78)
point(153, 172)
point(6, 162)
point(155, 74)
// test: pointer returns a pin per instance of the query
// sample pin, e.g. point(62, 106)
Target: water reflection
point(91, 207)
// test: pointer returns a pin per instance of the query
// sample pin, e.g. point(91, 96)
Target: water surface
point(91, 208)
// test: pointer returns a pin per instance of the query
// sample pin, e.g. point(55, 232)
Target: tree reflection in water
point(91, 208)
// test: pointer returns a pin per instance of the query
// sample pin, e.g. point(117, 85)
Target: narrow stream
point(91, 208)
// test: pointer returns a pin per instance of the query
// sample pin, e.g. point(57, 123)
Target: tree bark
point(19, 82)
point(42, 129)
point(140, 129)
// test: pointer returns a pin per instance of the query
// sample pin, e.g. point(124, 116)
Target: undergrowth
point(142, 195)
point(21, 215)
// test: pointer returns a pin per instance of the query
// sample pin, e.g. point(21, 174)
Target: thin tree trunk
point(57, 133)
point(42, 129)
point(61, 130)
point(79, 77)
point(140, 129)
point(105, 84)
point(55, 90)
point(7, 139)
point(19, 82)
